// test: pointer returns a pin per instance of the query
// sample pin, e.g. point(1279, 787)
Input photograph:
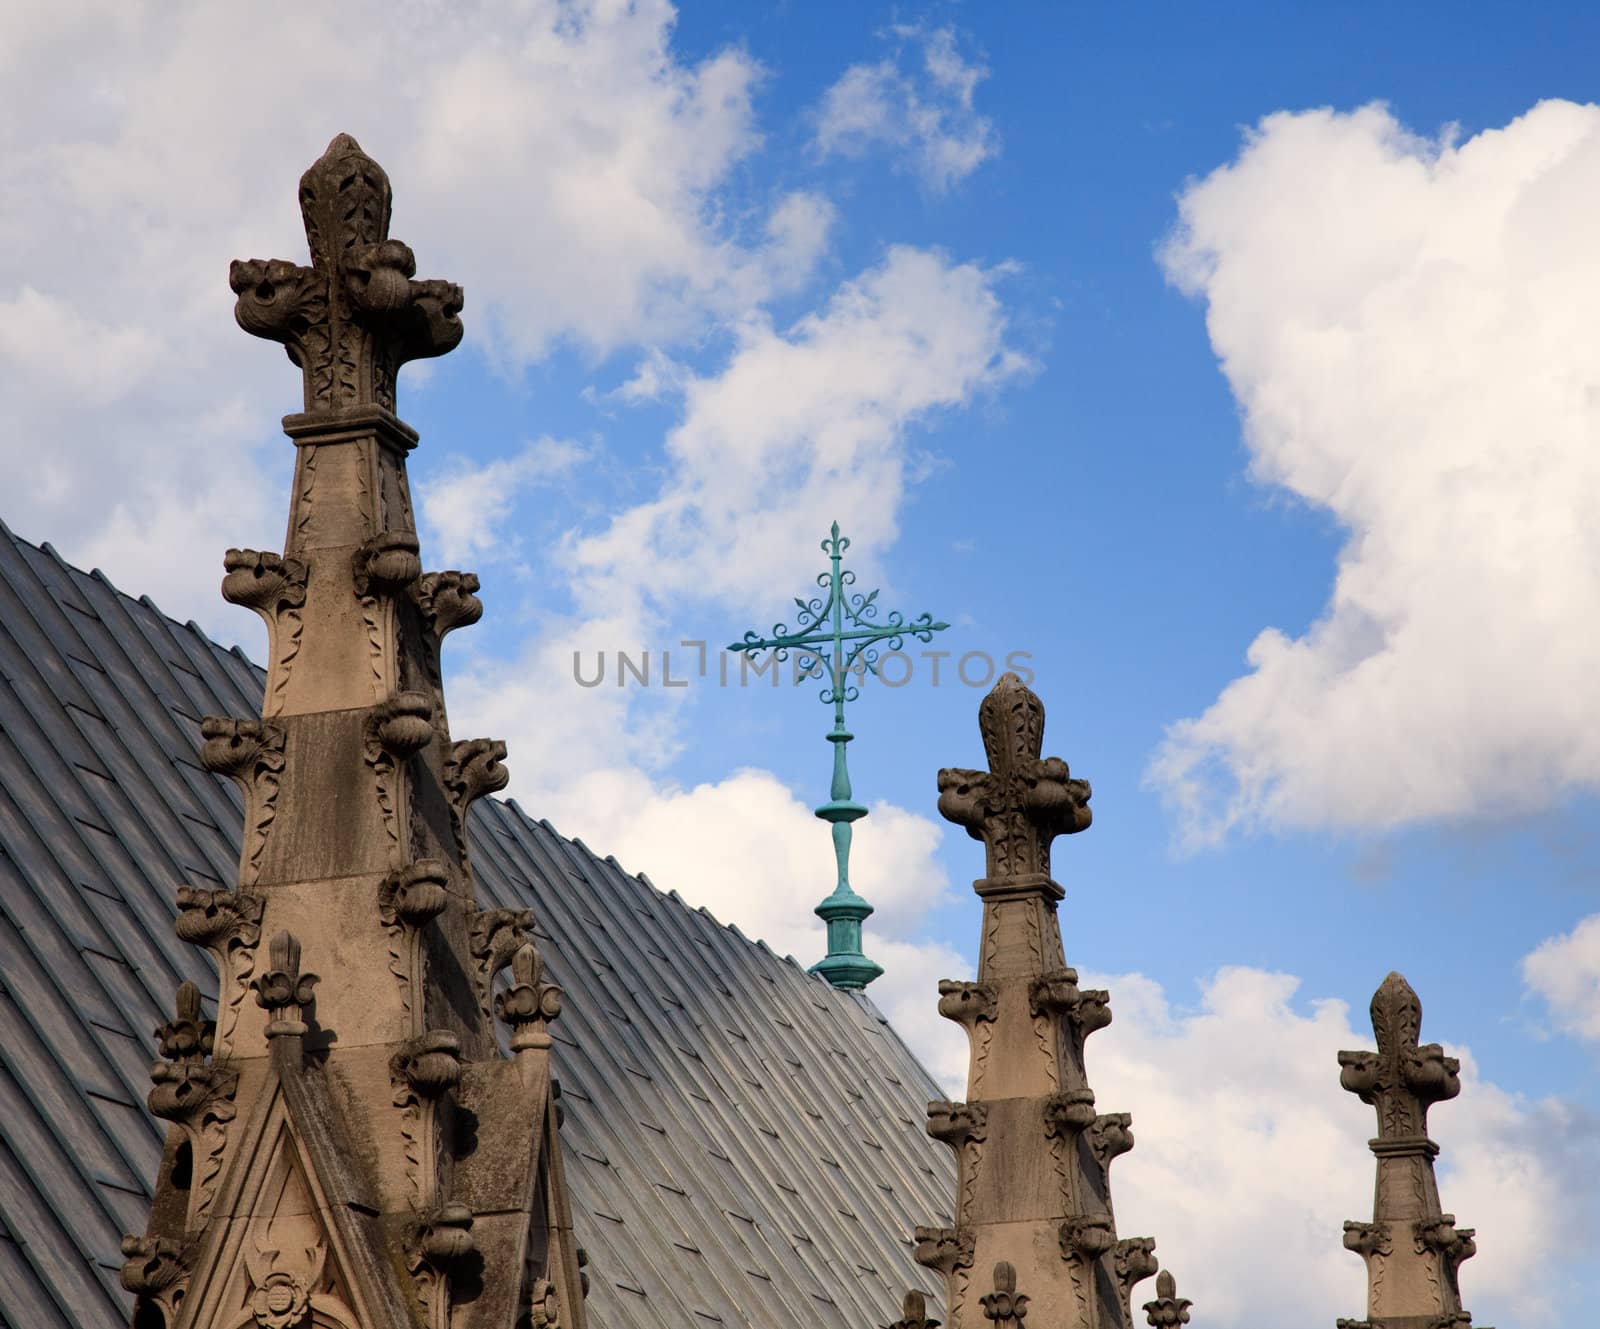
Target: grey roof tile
point(743, 1142)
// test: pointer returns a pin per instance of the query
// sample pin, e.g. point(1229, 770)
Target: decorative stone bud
point(1367, 1238)
point(1168, 1309)
point(1004, 1306)
point(379, 276)
point(447, 1236)
point(282, 990)
point(188, 1037)
point(914, 1313)
point(262, 581)
point(414, 895)
point(530, 1003)
point(1068, 1113)
point(387, 564)
point(430, 1064)
point(403, 725)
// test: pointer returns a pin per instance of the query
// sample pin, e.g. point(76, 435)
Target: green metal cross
point(840, 632)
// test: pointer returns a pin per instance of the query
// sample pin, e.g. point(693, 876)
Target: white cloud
point(556, 157)
point(1565, 971)
point(802, 427)
point(465, 503)
point(918, 102)
point(1404, 325)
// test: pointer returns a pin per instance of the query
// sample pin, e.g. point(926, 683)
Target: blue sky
point(1116, 336)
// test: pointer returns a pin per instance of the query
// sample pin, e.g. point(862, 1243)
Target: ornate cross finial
point(1168, 1309)
point(1401, 1079)
point(1023, 801)
point(352, 318)
point(839, 633)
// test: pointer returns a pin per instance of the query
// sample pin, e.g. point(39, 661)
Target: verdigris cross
point(840, 633)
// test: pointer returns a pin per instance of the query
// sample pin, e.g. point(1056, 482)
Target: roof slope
point(744, 1143)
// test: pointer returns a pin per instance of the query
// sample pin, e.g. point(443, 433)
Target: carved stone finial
point(282, 990)
point(1401, 1080)
point(1005, 1306)
point(351, 319)
point(429, 1065)
point(402, 725)
point(914, 1313)
point(494, 936)
point(414, 895)
point(1022, 802)
point(1168, 1309)
point(530, 1003)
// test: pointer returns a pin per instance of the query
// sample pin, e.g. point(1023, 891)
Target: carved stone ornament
point(153, 1266)
point(1066, 1114)
point(1400, 1079)
point(413, 896)
point(446, 1239)
point(250, 752)
point(1109, 1137)
point(945, 1249)
point(1005, 1307)
point(282, 990)
point(285, 1281)
point(1168, 1309)
point(351, 319)
point(1087, 1237)
point(1133, 1259)
point(1022, 802)
point(967, 1003)
point(914, 1313)
point(185, 1085)
point(402, 725)
point(472, 769)
point(495, 935)
point(387, 564)
point(1057, 992)
point(430, 1065)
point(448, 600)
point(267, 583)
point(1367, 1238)
point(958, 1123)
point(530, 1003)
point(544, 1307)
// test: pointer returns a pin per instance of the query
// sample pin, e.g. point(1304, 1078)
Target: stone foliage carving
point(352, 318)
point(250, 752)
point(494, 936)
point(472, 770)
point(156, 1270)
point(945, 1249)
point(228, 924)
point(387, 564)
point(275, 588)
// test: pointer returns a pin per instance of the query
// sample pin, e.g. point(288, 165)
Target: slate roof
point(744, 1143)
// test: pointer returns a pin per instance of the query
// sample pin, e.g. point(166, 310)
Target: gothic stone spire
point(1412, 1249)
point(1034, 1241)
point(319, 1168)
